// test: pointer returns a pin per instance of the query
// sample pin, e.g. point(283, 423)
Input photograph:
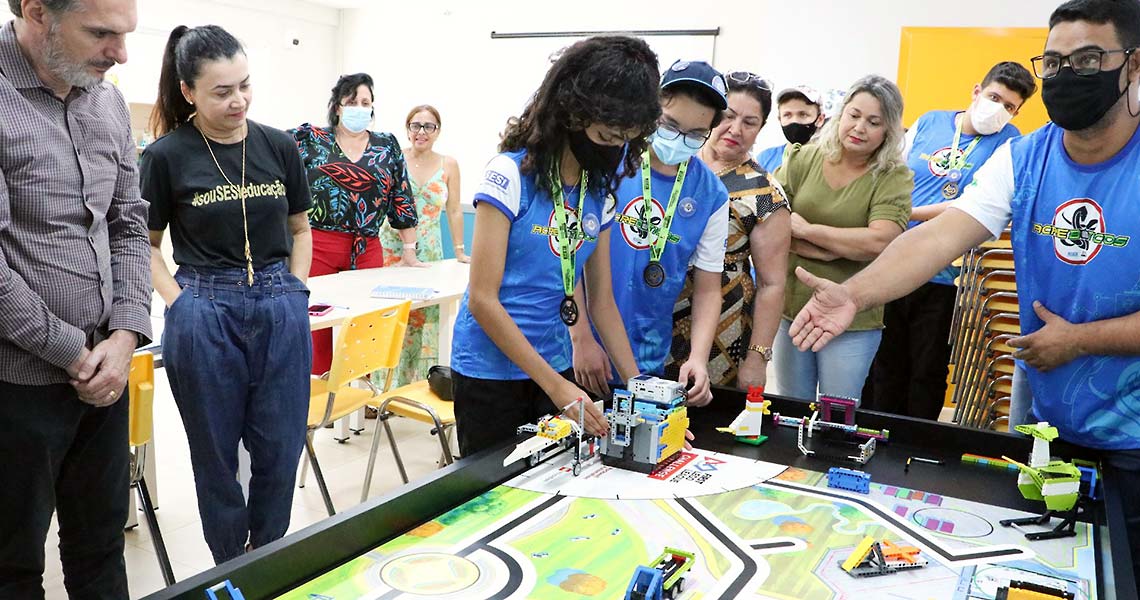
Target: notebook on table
point(401, 292)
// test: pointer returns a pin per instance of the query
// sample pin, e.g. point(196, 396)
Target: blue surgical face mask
point(671, 152)
point(355, 118)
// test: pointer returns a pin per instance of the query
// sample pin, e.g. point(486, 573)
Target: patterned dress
point(421, 343)
point(752, 199)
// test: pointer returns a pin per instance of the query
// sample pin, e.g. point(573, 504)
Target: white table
point(350, 292)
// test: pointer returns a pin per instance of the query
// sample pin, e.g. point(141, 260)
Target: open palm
point(827, 314)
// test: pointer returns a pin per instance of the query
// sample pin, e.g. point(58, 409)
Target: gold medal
point(950, 190)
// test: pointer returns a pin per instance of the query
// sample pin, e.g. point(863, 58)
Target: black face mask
point(1075, 102)
point(799, 133)
point(595, 158)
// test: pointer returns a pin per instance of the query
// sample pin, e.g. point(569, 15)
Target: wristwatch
point(764, 351)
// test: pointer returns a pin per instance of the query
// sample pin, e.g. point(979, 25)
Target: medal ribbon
point(956, 161)
point(657, 246)
point(565, 244)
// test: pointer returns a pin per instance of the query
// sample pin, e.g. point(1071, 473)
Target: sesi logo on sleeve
point(1073, 230)
point(531, 289)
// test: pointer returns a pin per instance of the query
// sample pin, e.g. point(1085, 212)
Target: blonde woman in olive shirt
point(850, 196)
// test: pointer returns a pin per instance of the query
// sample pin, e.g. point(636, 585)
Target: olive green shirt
point(870, 197)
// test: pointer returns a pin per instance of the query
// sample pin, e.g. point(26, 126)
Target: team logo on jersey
point(1078, 231)
point(579, 234)
point(687, 207)
point(939, 162)
point(633, 219)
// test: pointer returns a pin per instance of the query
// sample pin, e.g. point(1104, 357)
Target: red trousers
point(332, 253)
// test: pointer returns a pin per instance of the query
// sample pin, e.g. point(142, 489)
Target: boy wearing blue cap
point(672, 214)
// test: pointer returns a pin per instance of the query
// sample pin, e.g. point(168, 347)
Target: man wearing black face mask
point(800, 110)
point(1072, 192)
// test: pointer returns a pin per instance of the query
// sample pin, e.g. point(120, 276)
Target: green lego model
point(1056, 483)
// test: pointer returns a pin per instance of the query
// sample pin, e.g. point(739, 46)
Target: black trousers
point(489, 411)
point(908, 376)
point(58, 454)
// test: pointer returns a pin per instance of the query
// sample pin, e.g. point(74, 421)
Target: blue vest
point(1072, 239)
point(648, 312)
point(771, 158)
point(929, 154)
point(531, 290)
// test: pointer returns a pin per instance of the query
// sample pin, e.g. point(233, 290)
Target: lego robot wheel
point(577, 469)
point(680, 586)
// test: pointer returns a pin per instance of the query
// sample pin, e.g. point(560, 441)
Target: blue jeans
point(238, 360)
point(839, 369)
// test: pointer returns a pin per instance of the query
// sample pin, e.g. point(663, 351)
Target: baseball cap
point(809, 94)
point(700, 72)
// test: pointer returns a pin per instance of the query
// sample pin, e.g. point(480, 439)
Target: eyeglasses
point(416, 127)
point(1085, 62)
point(750, 79)
point(693, 139)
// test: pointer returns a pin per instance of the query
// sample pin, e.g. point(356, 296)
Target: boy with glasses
point(670, 215)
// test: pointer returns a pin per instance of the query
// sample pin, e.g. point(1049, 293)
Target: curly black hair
point(612, 80)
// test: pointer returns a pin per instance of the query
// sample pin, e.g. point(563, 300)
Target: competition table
point(805, 526)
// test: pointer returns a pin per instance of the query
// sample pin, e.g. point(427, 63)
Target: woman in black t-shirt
point(236, 342)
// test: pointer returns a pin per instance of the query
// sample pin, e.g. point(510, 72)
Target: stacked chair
point(985, 319)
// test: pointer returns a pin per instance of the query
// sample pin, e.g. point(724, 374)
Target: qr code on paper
point(690, 475)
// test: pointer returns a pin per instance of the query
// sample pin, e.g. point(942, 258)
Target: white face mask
point(988, 117)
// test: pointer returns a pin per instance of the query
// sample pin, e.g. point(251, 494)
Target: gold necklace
point(241, 193)
point(727, 170)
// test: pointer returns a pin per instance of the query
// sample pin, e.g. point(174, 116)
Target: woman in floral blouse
point(358, 177)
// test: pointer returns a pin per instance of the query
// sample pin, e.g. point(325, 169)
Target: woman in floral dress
point(434, 181)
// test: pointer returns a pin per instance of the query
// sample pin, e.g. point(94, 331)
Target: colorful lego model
point(849, 479)
point(746, 426)
point(665, 579)
point(552, 434)
point(1021, 590)
point(647, 424)
point(845, 434)
point(990, 462)
point(872, 559)
point(1056, 483)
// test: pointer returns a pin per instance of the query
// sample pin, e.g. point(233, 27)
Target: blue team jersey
point(531, 289)
point(697, 236)
point(1072, 240)
point(772, 157)
point(929, 156)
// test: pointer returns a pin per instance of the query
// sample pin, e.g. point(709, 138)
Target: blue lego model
point(228, 588)
point(664, 580)
point(849, 479)
point(645, 585)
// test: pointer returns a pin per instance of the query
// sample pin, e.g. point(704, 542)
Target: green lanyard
point(955, 161)
point(565, 244)
point(657, 247)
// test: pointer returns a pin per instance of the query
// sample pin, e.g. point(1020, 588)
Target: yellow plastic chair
point(366, 343)
point(413, 401)
point(140, 394)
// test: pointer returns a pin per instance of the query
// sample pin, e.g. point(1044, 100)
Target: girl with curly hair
point(544, 208)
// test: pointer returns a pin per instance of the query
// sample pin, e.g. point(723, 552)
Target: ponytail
point(171, 108)
point(182, 60)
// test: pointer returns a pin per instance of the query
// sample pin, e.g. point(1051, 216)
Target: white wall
point(440, 51)
point(290, 83)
